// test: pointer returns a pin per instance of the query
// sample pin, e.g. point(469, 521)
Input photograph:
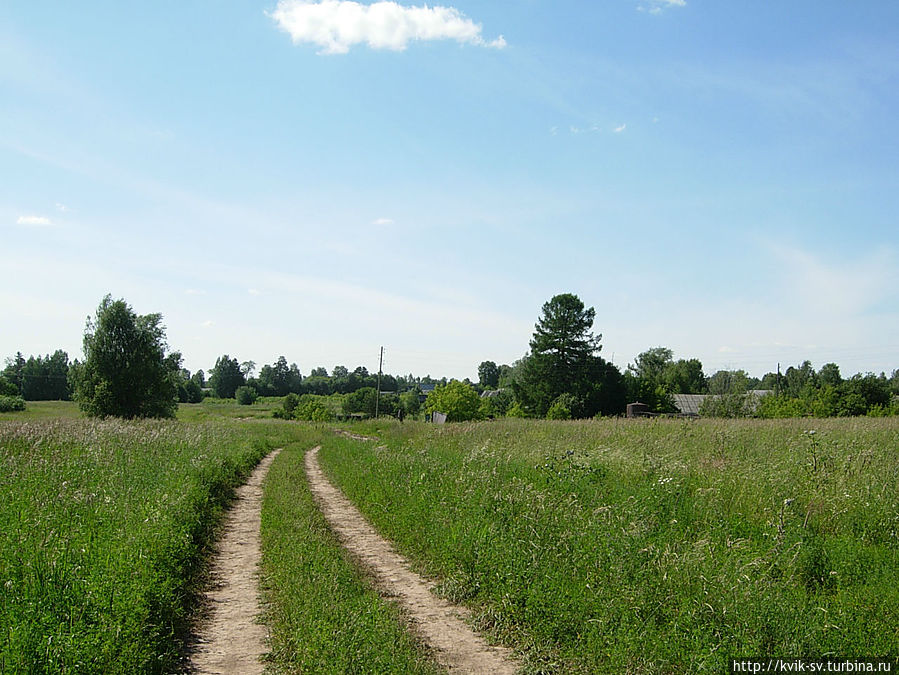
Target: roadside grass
point(323, 615)
point(656, 546)
point(38, 410)
point(104, 525)
point(211, 408)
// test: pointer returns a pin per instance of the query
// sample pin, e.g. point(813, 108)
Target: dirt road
point(440, 624)
point(231, 640)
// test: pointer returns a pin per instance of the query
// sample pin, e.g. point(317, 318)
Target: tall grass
point(323, 614)
point(647, 546)
point(102, 526)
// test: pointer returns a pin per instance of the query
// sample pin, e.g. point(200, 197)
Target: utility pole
point(378, 399)
point(777, 382)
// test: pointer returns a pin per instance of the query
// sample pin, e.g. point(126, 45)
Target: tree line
point(129, 371)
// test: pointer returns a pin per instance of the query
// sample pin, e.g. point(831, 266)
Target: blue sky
point(319, 179)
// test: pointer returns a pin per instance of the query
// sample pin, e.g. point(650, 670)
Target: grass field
point(647, 546)
point(611, 546)
point(103, 528)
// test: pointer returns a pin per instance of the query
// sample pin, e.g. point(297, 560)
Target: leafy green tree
point(7, 388)
point(457, 400)
point(652, 364)
point(410, 402)
point(729, 382)
point(361, 401)
point(506, 376)
point(14, 370)
point(319, 372)
point(126, 372)
point(488, 375)
point(496, 403)
point(830, 375)
point(226, 377)
point(189, 391)
point(685, 377)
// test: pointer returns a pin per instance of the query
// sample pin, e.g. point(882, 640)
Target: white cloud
point(253, 291)
point(208, 323)
point(61, 207)
point(194, 291)
point(382, 221)
point(337, 25)
point(33, 220)
point(619, 129)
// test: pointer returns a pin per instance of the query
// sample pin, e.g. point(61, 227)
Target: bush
point(7, 388)
point(313, 409)
point(11, 403)
point(457, 400)
point(515, 410)
point(246, 395)
point(561, 407)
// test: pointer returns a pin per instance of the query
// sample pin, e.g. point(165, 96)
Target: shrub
point(515, 410)
point(457, 400)
point(11, 403)
point(7, 388)
point(246, 395)
point(561, 408)
point(312, 409)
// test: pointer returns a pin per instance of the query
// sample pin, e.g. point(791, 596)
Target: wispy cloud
point(33, 221)
point(659, 6)
point(253, 291)
point(844, 288)
point(337, 25)
point(620, 128)
point(382, 221)
point(194, 291)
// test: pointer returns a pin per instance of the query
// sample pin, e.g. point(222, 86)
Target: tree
point(646, 381)
point(126, 372)
point(488, 375)
point(457, 400)
point(652, 364)
point(830, 375)
point(729, 382)
point(564, 360)
point(685, 377)
point(226, 377)
point(248, 368)
point(410, 402)
point(362, 400)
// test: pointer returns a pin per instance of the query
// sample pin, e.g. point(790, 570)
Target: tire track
point(232, 640)
point(439, 623)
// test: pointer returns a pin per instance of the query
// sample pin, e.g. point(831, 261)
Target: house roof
point(689, 404)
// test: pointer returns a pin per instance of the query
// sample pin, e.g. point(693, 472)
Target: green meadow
point(661, 546)
point(643, 546)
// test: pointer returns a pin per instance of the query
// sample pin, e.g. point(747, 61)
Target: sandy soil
point(231, 640)
point(440, 624)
